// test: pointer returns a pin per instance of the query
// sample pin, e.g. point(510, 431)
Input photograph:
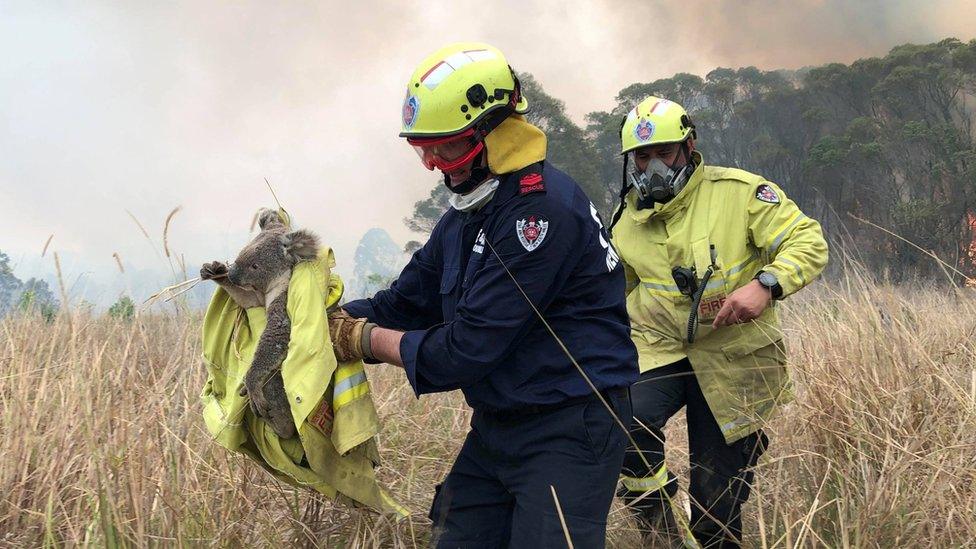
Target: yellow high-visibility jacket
point(753, 226)
point(334, 452)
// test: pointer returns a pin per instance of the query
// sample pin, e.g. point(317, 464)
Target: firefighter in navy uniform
point(707, 252)
point(455, 319)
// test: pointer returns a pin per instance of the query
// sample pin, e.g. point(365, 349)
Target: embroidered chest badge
point(532, 231)
point(322, 418)
point(479, 243)
point(709, 308)
point(767, 194)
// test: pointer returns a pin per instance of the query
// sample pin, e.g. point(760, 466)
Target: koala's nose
point(234, 274)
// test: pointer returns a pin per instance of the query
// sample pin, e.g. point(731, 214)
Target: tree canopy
point(887, 139)
point(27, 297)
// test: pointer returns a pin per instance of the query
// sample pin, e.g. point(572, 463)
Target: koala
point(259, 277)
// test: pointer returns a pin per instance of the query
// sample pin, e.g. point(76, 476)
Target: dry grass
point(103, 443)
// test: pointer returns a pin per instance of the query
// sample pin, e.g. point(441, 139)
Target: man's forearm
point(385, 345)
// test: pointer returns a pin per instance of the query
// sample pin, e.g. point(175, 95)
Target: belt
point(510, 414)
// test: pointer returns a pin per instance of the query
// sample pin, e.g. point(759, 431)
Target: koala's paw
point(281, 421)
point(216, 269)
point(254, 389)
point(268, 218)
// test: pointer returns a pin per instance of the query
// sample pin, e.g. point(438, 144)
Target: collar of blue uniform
point(508, 188)
point(514, 147)
point(676, 204)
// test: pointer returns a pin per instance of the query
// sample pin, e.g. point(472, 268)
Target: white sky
point(145, 106)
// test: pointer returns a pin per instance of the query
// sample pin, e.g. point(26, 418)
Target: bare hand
point(743, 305)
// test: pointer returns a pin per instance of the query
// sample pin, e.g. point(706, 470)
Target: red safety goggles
point(447, 154)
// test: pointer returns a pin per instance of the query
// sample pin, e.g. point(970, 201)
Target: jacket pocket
point(701, 255)
point(766, 344)
point(449, 278)
point(599, 427)
point(474, 265)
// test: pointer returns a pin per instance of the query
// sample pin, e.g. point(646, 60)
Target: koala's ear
point(300, 245)
point(268, 219)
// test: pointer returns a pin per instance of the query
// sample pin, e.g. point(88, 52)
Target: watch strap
point(776, 290)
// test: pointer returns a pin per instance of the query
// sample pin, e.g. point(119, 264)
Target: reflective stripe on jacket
point(335, 450)
point(753, 226)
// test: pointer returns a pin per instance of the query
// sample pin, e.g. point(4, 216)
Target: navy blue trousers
point(499, 493)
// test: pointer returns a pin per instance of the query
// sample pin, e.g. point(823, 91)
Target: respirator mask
point(658, 182)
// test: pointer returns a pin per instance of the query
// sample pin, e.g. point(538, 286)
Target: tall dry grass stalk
point(118, 262)
point(46, 244)
point(103, 443)
point(169, 218)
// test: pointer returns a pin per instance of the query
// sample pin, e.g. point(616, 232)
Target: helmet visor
point(447, 153)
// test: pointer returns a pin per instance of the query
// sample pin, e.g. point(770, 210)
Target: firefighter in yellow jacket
point(708, 252)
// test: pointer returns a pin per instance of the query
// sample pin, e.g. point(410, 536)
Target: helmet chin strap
point(479, 175)
point(477, 198)
point(481, 172)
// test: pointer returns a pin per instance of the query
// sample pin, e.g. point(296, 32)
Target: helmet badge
point(411, 106)
point(644, 130)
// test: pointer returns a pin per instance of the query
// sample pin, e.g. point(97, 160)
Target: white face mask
point(658, 182)
point(475, 199)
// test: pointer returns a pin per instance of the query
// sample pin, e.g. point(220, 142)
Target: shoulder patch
point(767, 194)
point(531, 231)
point(531, 183)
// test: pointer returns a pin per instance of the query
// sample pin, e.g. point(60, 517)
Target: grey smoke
point(145, 106)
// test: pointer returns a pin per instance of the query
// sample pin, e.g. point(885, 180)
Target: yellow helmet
point(655, 121)
point(456, 88)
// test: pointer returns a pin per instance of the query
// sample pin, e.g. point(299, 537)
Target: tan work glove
point(350, 336)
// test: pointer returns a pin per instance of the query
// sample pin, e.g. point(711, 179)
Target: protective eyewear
point(447, 153)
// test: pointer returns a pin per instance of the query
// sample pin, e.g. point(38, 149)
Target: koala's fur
point(259, 277)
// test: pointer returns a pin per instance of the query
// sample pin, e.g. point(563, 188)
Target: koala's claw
point(282, 424)
point(254, 389)
point(216, 269)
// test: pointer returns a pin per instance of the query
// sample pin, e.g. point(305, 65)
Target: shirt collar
point(508, 188)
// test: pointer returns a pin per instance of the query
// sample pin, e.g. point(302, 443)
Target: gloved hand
point(350, 336)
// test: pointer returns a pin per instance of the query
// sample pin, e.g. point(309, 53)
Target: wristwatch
point(768, 281)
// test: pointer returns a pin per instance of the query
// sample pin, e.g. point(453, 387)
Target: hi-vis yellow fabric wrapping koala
point(334, 451)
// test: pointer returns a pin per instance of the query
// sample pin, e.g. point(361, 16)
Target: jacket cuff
point(410, 354)
point(361, 308)
point(782, 274)
point(366, 341)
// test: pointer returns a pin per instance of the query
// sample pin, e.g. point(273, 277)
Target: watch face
point(768, 279)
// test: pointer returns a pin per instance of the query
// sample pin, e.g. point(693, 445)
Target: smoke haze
point(144, 106)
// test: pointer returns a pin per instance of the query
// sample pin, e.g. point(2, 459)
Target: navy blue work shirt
point(469, 327)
